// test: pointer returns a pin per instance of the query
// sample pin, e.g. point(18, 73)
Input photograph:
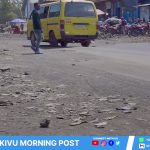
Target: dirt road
point(100, 90)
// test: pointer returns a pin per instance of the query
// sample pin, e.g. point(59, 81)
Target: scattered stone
point(127, 111)
point(52, 111)
point(113, 97)
point(51, 98)
point(132, 104)
point(101, 125)
point(28, 93)
point(7, 103)
point(44, 123)
point(141, 119)
point(61, 86)
point(130, 95)
point(102, 99)
point(114, 100)
point(15, 95)
point(125, 103)
point(32, 107)
point(105, 111)
point(17, 92)
point(40, 110)
point(110, 118)
point(52, 105)
point(77, 121)
point(127, 108)
point(95, 120)
point(41, 90)
point(6, 50)
point(4, 94)
point(26, 73)
point(4, 69)
point(60, 117)
point(84, 113)
point(62, 95)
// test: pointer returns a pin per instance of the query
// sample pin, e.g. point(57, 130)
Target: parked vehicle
point(67, 21)
point(139, 29)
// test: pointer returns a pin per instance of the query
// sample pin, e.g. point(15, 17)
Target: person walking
point(22, 27)
point(37, 29)
point(123, 24)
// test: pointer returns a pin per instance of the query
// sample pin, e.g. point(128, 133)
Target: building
point(27, 7)
point(118, 8)
point(130, 10)
point(144, 8)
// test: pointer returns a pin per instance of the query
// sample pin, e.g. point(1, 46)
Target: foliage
point(10, 9)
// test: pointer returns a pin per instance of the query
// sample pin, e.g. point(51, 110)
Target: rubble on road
point(6, 103)
point(77, 121)
point(5, 69)
point(101, 124)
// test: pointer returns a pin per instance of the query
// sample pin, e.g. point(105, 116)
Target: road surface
point(100, 90)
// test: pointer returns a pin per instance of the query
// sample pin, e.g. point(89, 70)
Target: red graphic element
point(95, 142)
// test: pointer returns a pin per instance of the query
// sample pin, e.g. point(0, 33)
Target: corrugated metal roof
point(143, 5)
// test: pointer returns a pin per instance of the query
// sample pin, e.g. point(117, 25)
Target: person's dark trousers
point(38, 36)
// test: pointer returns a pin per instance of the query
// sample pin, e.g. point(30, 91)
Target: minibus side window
point(46, 9)
point(44, 12)
point(54, 10)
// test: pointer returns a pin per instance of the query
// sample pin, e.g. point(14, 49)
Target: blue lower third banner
point(74, 142)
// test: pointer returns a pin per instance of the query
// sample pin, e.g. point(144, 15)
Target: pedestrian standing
point(37, 29)
point(22, 27)
point(123, 24)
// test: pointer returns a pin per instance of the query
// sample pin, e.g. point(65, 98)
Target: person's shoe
point(38, 52)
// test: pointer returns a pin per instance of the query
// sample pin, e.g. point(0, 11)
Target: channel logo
point(141, 140)
point(141, 146)
point(95, 143)
point(117, 143)
point(103, 143)
point(111, 143)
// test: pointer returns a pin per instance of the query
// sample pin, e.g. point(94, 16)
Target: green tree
point(10, 9)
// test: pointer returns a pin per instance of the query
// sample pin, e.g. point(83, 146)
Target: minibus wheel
point(63, 43)
point(52, 39)
point(86, 43)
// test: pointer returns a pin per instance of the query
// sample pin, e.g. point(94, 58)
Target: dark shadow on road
point(26, 46)
point(49, 47)
point(28, 54)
